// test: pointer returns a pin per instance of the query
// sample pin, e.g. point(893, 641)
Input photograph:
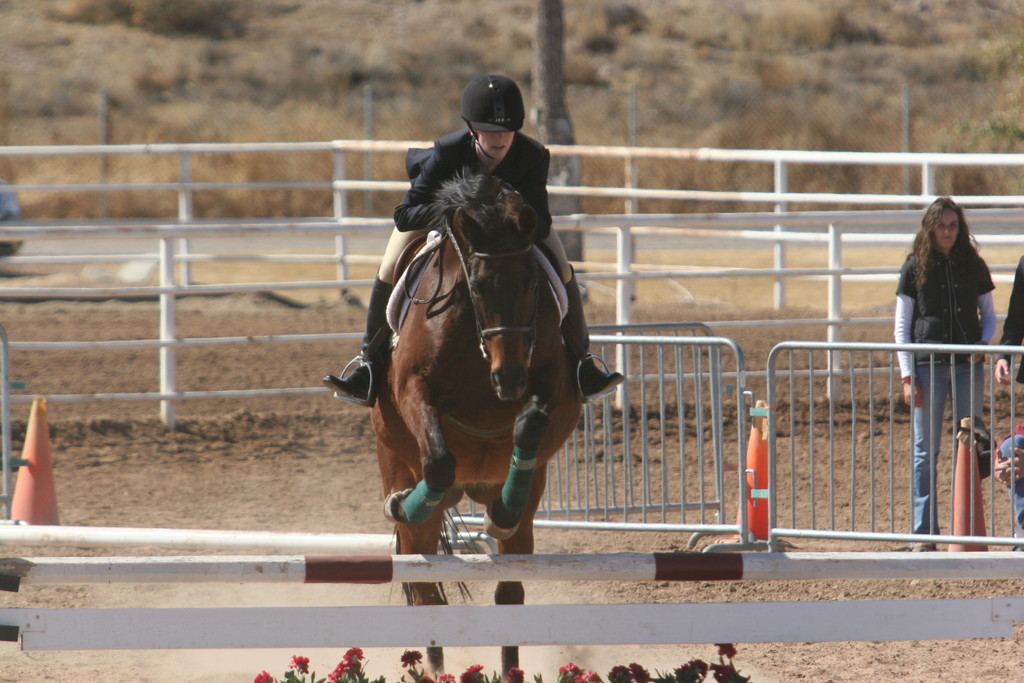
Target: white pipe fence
point(779, 196)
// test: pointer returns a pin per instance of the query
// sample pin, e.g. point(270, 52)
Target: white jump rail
point(523, 625)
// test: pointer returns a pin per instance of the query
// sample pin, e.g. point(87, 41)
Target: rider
point(492, 107)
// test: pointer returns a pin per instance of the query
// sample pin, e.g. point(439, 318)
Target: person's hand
point(1003, 470)
point(912, 395)
point(1003, 371)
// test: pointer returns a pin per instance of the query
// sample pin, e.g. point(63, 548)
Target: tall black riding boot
point(360, 386)
point(593, 381)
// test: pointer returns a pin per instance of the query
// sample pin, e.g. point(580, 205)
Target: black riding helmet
point(493, 103)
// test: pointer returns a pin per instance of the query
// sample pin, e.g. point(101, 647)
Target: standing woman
point(1009, 464)
point(1013, 327)
point(944, 296)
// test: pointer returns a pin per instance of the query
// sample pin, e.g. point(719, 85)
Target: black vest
point(946, 307)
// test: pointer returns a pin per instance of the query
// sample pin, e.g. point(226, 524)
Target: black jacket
point(946, 308)
point(525, 168)
point(1013, 328)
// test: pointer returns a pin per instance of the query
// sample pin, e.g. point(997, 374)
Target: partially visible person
point(1008, 469)
point(493, 110)
point(944, 296)
point(10, 210)
point(1013, 328)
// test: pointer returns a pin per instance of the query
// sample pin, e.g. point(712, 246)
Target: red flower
point(620, 674)
point(353, 659)
point(339, 671)
point(588, 677)
point(426, 679)
point(263, 677)
point(692, 672)
point(640, 674)
point(411, 658)
point(300, 664)
point(725, 673)
point(446, 678)
point(472, 674)
point(727, 650)
point(516, 675)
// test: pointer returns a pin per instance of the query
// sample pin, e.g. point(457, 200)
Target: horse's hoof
point(496, 532)
point(394, 511)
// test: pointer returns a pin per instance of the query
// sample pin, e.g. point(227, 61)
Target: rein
point(411, 295)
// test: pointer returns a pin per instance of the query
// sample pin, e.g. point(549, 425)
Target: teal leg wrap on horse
point(520, 476)
point(421, 503)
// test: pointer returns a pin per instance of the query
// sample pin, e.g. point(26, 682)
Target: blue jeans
point(968, 398)
point(1017, 490)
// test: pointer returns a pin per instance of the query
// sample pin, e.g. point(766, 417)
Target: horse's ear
point(527, 221)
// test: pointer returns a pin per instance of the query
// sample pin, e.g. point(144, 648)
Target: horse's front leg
point(437, 462)
point(520, 543)
point(503, 514)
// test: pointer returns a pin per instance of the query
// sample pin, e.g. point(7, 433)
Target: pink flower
point(411, 658)
point(263, 677)
point(472, 674)
point(300, 664)
point(516, 675)
point(588, 677)
point(446, 678)
point(569, 669)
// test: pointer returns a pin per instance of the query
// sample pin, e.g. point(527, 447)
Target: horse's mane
point(486, 196)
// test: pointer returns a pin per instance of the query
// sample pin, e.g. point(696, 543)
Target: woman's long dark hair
point(964, 252)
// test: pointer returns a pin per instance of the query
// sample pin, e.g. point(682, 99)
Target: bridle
point(483, 333)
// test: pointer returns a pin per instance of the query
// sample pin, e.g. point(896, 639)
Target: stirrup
point(601, 394)
point(333, 382)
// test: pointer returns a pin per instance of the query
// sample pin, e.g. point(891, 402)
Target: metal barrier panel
point(654, 455)
point(6, 462)
point(841, 444)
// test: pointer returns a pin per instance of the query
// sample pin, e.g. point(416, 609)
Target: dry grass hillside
point(811, 74)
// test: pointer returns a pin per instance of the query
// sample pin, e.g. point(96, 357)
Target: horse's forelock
point(489, 200)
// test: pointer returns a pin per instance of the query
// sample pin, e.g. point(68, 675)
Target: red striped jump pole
point(371, 569)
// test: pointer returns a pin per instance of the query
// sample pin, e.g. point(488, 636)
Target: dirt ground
point(307, 464)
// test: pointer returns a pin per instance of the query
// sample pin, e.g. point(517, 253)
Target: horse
point(479, 392)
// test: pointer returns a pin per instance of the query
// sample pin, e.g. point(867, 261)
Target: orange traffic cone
point(968, 510)
point(757, 474)
point(35, 494)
